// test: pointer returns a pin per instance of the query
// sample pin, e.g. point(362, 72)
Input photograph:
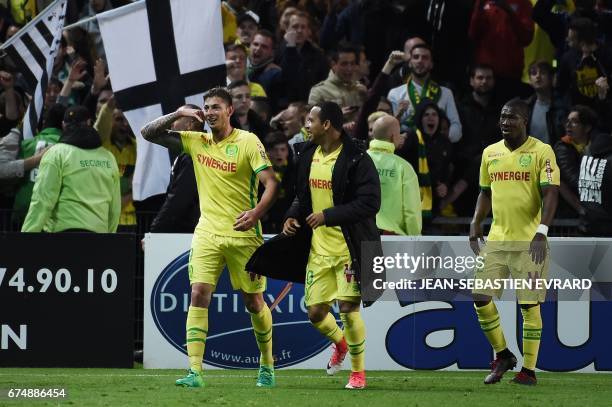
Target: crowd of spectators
point(441, 68)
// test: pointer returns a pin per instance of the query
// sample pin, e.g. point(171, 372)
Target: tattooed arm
point(158, 131)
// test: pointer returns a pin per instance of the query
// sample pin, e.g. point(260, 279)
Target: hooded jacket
point(595, 188)
point(77, 186)
point(356, 196)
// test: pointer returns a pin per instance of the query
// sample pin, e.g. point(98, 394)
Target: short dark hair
point(54, 116)
point(422, 46)
point(520, 105)
point(331, 111)
point(237, 84)
point(55, 81)
point(480, 67)
point(76, 115)
point(586, 31)
point(586, 115)
point(274, 138)
point(542, 66)
point(236, 47)
point(220, 93)
point(345, 48)
point(267, 33)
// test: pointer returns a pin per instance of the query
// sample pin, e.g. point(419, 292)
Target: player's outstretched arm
point(483, 207)
point(158, 131)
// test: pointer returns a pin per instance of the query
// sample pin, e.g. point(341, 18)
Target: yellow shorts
point(516, 265)
point(330, 278)
point(210, 253)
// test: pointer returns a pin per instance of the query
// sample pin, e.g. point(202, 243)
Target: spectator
point(400, 75)
point(260, 106)
point(235, 62)
point(36, 146)
point(429, 152)
point(400, 199)
point(117, 137)
point(500, 29)
point(362, 73)
point(230, 10)
point(11, 103)
point(595, 188)
point(247, 119)
point(266, 10)
point(92, 8)
point(264, 71)
point(181, 209)
point(10, 166)
point(580, 129)
point(340, 86)
point(545, 111)
point(479, 112)
point(278, 151)
point(248, 24)
point(420, 86)
point(312, 66)
point(583, 72)
point(291, 122)
point(77, 187)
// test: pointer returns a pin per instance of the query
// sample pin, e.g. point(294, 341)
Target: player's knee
point(346, 306)
point(316, 314)
point(253, 303)
point(200, 296)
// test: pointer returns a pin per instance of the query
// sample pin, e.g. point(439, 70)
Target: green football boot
point(193, 379)
point(265, 378)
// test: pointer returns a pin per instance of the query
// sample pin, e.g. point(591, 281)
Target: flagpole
point(28, 25)
point(84, 21)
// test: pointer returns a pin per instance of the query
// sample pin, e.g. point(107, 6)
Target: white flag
point(161, 54)
point(33, 50)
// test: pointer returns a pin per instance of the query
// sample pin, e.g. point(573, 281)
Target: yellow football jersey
point(327, 241)
point(515, 179)
point(226, 176)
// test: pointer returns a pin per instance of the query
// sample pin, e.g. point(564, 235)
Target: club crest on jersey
point(231, 150)
point(524, 160)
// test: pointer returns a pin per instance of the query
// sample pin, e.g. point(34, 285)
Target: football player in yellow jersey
point(228, 163)
point(338, 196)
point(519, 180)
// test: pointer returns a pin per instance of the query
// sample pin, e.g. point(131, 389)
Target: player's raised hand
point(189, 112)
point(290, 227)
point(315, 220)
point(537, 248)
point(246, 220)
point(476, 237)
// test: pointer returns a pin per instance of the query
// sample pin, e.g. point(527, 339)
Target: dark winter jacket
point(181, 210)
point(356, 196)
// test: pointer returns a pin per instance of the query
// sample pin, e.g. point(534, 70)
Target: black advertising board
point(67, 300)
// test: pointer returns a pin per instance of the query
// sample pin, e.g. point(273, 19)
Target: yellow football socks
point(197, 329)
point(354, 332)
point(488, 317)
point(532, 331)
point(329, 328)
point(262, 327)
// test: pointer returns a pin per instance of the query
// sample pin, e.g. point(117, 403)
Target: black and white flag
point(33, 50)
point(161, 54)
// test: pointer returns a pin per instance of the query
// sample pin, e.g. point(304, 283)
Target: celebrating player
point(227, 162)
point(519, 179)
point(338, 196)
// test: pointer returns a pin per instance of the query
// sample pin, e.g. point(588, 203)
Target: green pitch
point(138, 387)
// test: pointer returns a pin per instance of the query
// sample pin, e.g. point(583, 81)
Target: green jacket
point(75, 189)
point(29, 148)
point(400, 209)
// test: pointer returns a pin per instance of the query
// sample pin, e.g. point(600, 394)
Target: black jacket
point(595, 188)
point(356, 195)
point(181, 210)
point(568, 160)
